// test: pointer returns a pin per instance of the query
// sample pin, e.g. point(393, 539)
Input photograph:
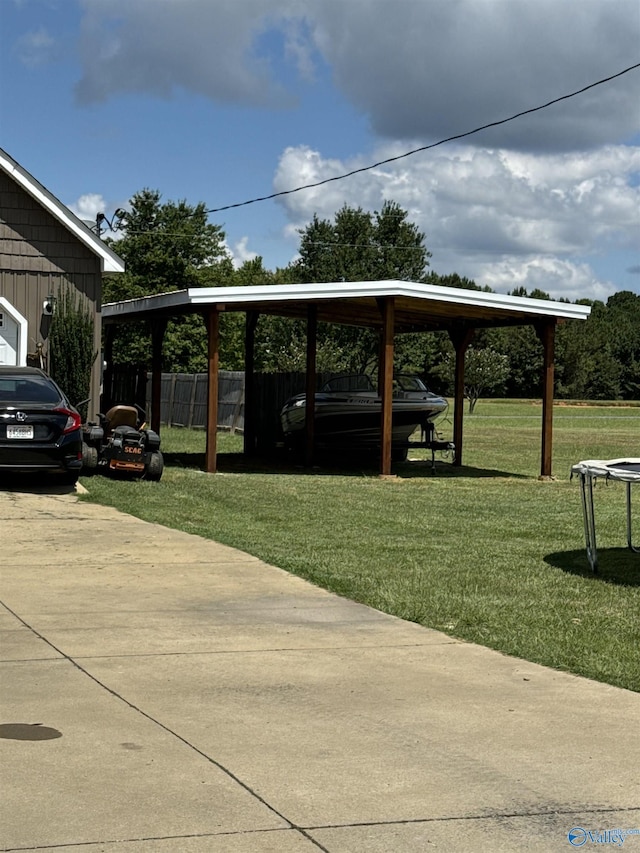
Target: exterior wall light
point(48, 306)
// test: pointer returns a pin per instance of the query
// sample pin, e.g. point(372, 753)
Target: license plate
point(19, 432)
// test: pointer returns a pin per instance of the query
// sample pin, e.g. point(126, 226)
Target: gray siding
point(38, 257)
point(32, 240)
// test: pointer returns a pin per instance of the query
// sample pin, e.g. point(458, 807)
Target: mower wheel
point(89, 457)
point(155, 467)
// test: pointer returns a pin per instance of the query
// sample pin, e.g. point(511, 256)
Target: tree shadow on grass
point(615, 565)
point(325, 464)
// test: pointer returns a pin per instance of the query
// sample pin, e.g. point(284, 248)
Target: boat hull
point(355, 420)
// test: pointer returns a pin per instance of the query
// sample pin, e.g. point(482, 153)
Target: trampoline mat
point(616, 469)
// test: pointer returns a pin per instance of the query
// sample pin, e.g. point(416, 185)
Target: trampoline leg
point(629, 542)
point(586, 488)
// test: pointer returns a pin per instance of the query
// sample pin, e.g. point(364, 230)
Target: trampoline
point(625, 470)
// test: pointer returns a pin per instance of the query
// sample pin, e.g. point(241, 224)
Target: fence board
point(184, 399)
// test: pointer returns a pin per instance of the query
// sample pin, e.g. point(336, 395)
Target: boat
point(348, 413)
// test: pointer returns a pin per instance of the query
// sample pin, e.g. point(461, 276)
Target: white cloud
point(501, 218)
point(420, 69)
point(88, 206)
point(160, 46)
point(560, 278)
point(430, 70)
point(36, 48)
point(240, 252)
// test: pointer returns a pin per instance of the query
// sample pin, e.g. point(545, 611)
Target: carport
point(390, 307)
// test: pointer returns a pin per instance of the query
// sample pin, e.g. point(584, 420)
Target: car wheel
point(69, 478)
point(155, 467)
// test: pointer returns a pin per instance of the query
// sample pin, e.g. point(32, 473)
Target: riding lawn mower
point(120, 443)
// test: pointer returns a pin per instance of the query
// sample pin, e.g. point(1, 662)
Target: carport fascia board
point(514, 309)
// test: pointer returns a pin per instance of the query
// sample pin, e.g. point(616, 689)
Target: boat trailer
point(429, 440)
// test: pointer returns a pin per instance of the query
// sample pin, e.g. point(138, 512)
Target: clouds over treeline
point(505, 218)
point(418, 69)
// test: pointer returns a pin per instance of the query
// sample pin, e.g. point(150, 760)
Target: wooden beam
point(158, 328)
point(547, 333)
point(213, 336)
point(251, 322)
point(310, 390)
point(385, 370)
point(460, 338)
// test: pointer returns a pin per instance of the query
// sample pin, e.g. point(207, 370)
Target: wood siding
point(39, 257)
point(32, 240)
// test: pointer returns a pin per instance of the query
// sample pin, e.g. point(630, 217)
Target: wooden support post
point(460, 338)
point(547, 333)
point(251, 321)
point(213, 336)
point(385, 371)
point(310, 387)
point(158, 328)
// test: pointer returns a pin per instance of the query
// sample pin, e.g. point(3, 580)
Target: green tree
point(357, 246)
point(623, 315)
point(166, 246)
point(485, 371)
point(599, 359)
point(363, 246)
point(523, 349)
point(454, 280)
point(71, 350)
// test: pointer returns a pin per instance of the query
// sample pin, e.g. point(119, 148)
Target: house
point(44, 248)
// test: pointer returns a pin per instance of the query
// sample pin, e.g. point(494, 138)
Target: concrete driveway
point(164, 693)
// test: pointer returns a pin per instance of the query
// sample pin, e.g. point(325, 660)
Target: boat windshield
point(359, 382)
point(404, 382)
point(362, 382)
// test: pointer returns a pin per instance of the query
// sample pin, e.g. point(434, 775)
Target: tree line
point(170, 246)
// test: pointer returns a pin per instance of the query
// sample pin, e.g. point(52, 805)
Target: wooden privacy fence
point(184, 399)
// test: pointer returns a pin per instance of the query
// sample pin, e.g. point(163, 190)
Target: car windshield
point(27, 389)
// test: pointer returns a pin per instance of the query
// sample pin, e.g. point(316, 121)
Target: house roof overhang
point(418, 307)
point(110, 262)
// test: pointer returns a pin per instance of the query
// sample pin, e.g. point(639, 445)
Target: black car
point(40, 431)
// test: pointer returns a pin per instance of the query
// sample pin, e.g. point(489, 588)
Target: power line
point(418, 150)
point(426, 147)
point(376, 246)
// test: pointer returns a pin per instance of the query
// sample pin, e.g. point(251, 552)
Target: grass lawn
point(486, 552)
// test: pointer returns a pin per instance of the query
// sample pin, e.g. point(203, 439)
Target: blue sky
point(220, 102)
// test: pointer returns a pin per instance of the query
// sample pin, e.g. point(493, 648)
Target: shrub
point(71, 353)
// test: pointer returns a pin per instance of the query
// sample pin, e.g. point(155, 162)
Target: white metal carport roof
point(418, 306)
